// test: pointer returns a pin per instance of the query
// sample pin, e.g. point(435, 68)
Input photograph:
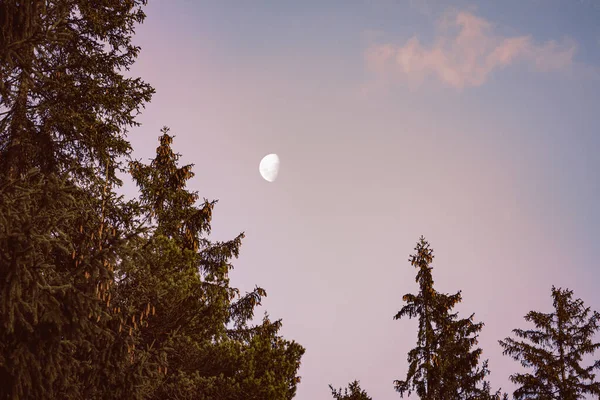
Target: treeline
point(446, 362)
point(107, 298)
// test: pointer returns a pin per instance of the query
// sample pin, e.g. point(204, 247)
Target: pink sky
point(476, 130)
point(465, 52)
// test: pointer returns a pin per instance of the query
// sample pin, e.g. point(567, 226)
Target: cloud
point(464, 53)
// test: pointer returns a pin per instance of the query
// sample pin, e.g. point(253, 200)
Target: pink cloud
point(464, 54)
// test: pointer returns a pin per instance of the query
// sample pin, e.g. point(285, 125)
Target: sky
point(473, 123)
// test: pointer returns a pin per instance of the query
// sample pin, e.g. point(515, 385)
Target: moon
point(269, 167)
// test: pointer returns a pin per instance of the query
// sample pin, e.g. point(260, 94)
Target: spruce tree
point(64, 110)
point(101, 298)
point(67, 106)
point(444, 364)
point(199, 326)
point(554, 350)
point(352, 392)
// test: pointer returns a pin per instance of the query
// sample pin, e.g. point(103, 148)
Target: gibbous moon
point(269, 167)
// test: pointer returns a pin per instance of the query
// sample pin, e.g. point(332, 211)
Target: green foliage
point(67, 105)
point(352, 392)
point(201, 327)
point(64, 109)
point(102, 298)
point(58, 332)
point(444, 364)
point(106, 299)
point(554, 351)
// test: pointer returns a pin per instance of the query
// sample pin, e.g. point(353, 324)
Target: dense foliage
point(65, 110)
point(107, 298)
point(554, 350)
point(102, 297)
point(201, 324)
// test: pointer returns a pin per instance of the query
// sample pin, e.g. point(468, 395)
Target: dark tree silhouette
point(64, 110)
point(444, 364)
point(554, 350)
point(352, 392)
point(201, 327)
point(102, 298)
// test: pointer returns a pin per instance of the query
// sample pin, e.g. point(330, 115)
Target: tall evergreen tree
point(444, 364)
point(201, 326)
point(64, 110)
point(352, 392)
point(81, 315)
point(554, 350)
point(67, 106)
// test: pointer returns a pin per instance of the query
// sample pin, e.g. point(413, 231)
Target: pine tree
point(461, 375)
point(67, 106)
point(64, 110)
point(554, 351)
point(444, 363)
point(352, 392)
point(202, 336)
point(92, 305)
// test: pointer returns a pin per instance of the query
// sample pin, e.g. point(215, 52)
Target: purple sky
point(472, 123)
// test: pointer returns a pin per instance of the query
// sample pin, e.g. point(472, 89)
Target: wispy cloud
point(464, 53)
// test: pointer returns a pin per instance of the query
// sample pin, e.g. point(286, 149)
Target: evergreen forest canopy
point(107, 298)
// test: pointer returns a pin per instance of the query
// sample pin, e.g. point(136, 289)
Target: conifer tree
point(92, 305)
point(64, 110)
point(554, 350)
point(66, 105)
point(352, 392)
point(444, 364)
point(200, 325)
